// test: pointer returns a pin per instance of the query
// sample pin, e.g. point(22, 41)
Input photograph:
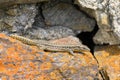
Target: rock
point(114, 12)
point(39, 21)
point(57, 32)
point(64, 14)
point(20, 61)
point(106, 13)
point(51, 33)
point(109, 59)
point(36, 33)
point(106, 38)
point(18, 18)
point(7, 3)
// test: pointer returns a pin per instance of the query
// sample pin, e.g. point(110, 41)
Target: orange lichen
point(55, 75)
point(73, 69)
point(4, 78)
point(12, 53)
point(44, 77)
point(10, 50)
point(32, 65)
point(2, 67)
point(45, 66)
point(30, 76)
point(20, 61)
point(1, 46)
point(3, 35)
point(108, 58)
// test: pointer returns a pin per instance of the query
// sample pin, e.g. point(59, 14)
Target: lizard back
point(46, 45)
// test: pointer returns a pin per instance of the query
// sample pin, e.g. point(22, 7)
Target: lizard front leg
point(70, 51)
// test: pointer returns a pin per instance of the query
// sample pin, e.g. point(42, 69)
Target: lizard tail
point(23, 39)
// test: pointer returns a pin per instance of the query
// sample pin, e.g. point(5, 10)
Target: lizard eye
point(85, 48)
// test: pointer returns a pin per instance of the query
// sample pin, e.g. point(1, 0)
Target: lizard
point(48, 46)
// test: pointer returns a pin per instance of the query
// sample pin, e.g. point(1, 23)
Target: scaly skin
point(46, 45)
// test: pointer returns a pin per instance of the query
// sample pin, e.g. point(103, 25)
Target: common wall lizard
point(48, 46)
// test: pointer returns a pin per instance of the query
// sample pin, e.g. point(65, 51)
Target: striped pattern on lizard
point(48, 46)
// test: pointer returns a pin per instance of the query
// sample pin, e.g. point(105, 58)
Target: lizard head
point(84, 48)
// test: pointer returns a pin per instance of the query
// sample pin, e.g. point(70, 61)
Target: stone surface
point(109, 59)
point(7, 3)
point(20, 61)
point(64, 14)
point(57, 32)
point(107, 15)
point(18, 18)
point(51, 33)
point(107, 37)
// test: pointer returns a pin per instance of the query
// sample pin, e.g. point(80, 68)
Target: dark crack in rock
point(39, 21)
point(107, 15)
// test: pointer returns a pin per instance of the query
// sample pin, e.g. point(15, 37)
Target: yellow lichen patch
point(73, 69)
point(55, 75)
point(64, 67)
point(114, 62)
point(30, 76)
point(10, 50)
point(109, 58)
point(43, 76)
point(20, 61)
point(46, 66)
point(87, 57)
point(32, 65)
point(3, 35)
point(4, 78)
point(11, 69)
point(1, 46)
point(12, 53)
point(21, 48)
point(2, 67)
point(45, 56)
point(12, 40)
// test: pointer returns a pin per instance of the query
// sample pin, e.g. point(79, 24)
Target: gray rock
point(54, 32)
point(36, 33)
point(7, 3)
point(64, 14)
point(107, 38)
point(107, 15)
point(18, 18)
point(57, 32)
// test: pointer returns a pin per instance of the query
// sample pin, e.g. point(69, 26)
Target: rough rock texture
point(19, 61)
point(107, 37)
point(54, 32)
point(107, 14)
point(109, 59)
point(7, 3)
point(64, 14)
point(18, 18)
